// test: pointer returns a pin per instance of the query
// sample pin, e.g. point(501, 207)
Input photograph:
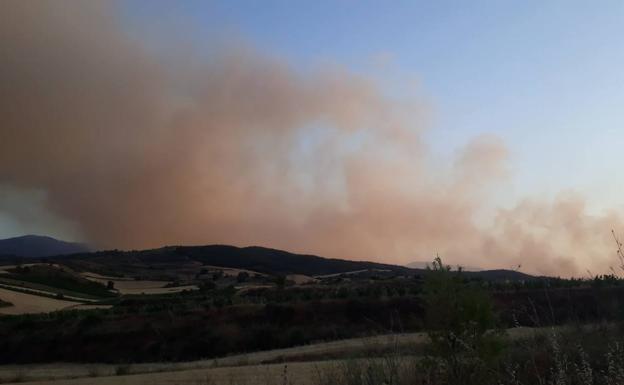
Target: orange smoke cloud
point(240, 148)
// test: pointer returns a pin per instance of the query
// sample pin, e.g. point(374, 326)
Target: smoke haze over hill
point(139, 149)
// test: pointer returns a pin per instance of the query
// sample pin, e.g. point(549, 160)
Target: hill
point(167, 260)
point(174, 261)
point(272, 261)
point(36, 246)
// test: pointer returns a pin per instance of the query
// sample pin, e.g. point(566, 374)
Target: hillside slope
point(272, 261)
point(259, 259)
point(254, 258)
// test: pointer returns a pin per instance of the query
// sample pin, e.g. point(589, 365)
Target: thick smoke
point(142, 150)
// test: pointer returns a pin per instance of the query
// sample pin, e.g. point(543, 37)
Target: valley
point(221, 314)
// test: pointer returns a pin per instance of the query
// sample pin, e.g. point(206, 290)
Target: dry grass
point(132, 286)
point(87, 306)
point(300, 279)
point(232, 272)
point(29, 286)
point(300, 373)
point(28, 303)
point(145, 288)
point(246, 367)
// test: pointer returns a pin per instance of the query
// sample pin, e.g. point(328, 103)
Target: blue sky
point(547, 77)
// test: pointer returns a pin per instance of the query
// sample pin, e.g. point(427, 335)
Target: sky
point(545, 76)
point(489, 132)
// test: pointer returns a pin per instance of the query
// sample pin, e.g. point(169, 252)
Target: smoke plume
point(141, 150)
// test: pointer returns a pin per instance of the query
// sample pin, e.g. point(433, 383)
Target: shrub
point(5, 303)
point(459, 318)
point(122, 370)
point(243, 276)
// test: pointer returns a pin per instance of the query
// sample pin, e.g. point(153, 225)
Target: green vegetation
point(457, 310)
point(56, 280)
point(43, 290)
point(37, 293)
point(460, 322)
point(572, 356)
point(464, 315)
point(466, 348)
point(162, 263)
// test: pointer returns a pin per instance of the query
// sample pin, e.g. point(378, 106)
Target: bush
point(460, 319)
point(208, 285)
point(243, 276)
point(5, 303)
point(122, 370)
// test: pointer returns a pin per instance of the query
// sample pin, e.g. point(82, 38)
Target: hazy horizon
point(487, 133)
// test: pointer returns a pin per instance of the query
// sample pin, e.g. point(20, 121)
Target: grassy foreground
point(563, 355)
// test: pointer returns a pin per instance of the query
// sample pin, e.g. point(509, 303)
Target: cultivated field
point(32, 288)
point(29, 303)
point(231, 272)
point(300, 279)
point(132, 286)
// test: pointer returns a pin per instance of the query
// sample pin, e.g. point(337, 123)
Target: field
point(301, 373)
point(133, 286)
point(253, 362)
point(28, 295)
point(305, 365)
point(53, 279)
point(41, 288)
point(27, 303)
point(299, 365)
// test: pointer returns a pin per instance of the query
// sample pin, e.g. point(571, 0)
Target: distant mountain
point(424, 265)
point(37, 246)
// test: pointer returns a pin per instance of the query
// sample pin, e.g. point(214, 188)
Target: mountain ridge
point(260, 259)
point(39, 246)
point(254, 258)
